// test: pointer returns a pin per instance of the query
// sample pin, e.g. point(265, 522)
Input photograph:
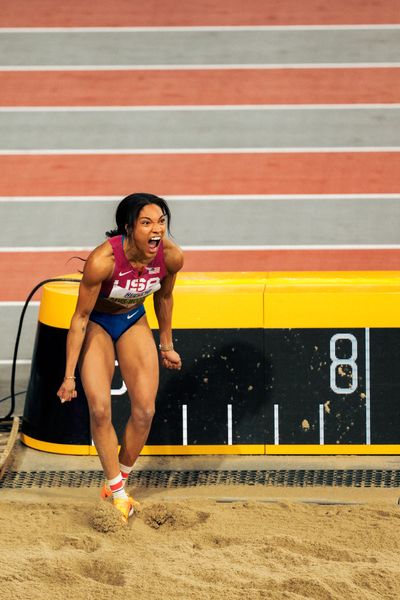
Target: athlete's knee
point(143, 415)
point(100, 415)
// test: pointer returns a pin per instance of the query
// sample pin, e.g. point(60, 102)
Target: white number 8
point(337, 362)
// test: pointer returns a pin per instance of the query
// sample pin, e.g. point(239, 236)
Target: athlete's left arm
point(163, 305)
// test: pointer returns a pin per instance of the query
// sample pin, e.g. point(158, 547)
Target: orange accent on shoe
point(105, 492)
point(126, 506)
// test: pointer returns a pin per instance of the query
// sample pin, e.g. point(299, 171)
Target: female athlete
point(137, 260)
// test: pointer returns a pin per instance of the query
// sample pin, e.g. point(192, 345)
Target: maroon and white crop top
point(127, 285)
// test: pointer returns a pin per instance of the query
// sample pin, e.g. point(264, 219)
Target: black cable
point(9, 396)
point(21, 320)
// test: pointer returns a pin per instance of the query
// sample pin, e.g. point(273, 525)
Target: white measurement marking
point(321, 425)
point(119, 391)
point(184, 425)
point(367, 390)
point(276, 424)
point(229, 424)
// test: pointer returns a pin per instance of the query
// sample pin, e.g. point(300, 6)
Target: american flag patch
point(153, 270)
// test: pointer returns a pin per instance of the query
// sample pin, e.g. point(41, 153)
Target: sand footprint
point(175, 516)
point(86, 543)
point(306, 588)
point(319, 550)
point(221, 541)
point(107, 572)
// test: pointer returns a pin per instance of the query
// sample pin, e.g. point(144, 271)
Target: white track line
point(20, 361)
point(255, 248)
point(179, 151)
point(7, 303)
point(29, 249)
point(206, 197)
point(200, 28)
point(201, 67)
point(198, 107)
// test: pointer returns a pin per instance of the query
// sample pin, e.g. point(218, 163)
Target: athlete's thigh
point(97, 364)
point(138, 361)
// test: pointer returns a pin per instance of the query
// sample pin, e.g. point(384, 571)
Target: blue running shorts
point(116, 324)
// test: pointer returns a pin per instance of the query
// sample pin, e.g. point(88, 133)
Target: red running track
point(31, 267)
point(187, 87)
point(122, 13)
point(269, 173)
point(183, 174)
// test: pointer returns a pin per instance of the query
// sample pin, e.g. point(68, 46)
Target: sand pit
point(199, 544)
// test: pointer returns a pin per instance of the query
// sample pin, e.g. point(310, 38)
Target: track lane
point(31, 267)
point(219, 128)
point(70, 13)
point(269, 173)
point(211, 173)
point(202, 87)
point(197, 48)
point(238, 221)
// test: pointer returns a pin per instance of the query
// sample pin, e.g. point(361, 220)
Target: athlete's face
point(150, 229)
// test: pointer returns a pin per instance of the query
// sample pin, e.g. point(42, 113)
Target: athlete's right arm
point(95, 272)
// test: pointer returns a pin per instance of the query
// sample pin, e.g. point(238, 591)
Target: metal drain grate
point(175, 479)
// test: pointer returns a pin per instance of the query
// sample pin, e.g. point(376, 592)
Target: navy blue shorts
point(117, 324)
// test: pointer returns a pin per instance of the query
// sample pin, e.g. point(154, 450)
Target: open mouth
point(154, 242)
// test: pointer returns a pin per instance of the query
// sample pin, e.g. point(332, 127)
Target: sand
point(211, 543)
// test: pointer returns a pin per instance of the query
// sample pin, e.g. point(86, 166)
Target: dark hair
point(129, 208)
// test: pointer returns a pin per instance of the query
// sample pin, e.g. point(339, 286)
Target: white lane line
point(65, 198)
point(20, 361)
point(367, 389)
point(46, 248)
point(8, 303)
point(198, 107)
point(200, 28)
point(202, 67)
point(298, 247)
point(255, 248)
point(204, 197)
point(179, 151)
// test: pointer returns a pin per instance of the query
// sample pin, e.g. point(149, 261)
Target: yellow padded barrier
point(201, 300)
point(332, 299)
point(165, 450)
point(273, 302)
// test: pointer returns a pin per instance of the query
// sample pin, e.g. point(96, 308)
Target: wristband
point(166, 347)
point(70, 377)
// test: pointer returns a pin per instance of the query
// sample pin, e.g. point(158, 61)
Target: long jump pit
point(209, 528)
